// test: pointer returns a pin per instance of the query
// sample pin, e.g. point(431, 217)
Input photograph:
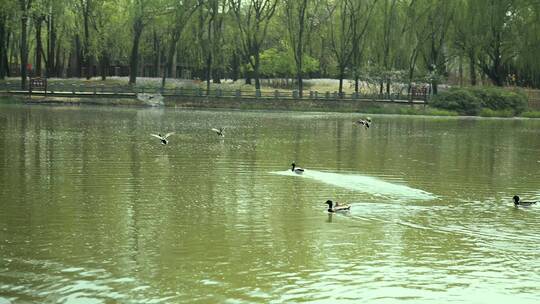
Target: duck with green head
point(296, 169)
point(337, 207)
point(518, 202)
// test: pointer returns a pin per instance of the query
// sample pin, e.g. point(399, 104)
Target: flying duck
point(517, 202)
point(364, 122)
point(296, 169)
point(218, 131)
point(337, 207)
point(162, 138)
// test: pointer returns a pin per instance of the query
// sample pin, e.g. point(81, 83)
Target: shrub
point(496, 113)
point(486, 101)
point(531, 114)
point(499, 99)
point(460, 100)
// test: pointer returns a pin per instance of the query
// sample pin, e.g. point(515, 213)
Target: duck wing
point(342, 208)
point(168, 134)
point(156, 136)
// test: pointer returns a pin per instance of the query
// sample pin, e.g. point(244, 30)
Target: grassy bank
point(368, 107)
point(322, 105)
point(24, 99)
point(244, 102)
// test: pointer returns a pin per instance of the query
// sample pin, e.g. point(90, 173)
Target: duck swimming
point(517, 202)
point(218, 131)
point(364, 122)
point(162, 138)
point(337, 207)
point(296, 169)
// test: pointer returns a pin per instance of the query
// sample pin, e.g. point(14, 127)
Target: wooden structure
point(37, 84)
point(419, 92)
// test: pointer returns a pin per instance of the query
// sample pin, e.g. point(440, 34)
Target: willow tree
point(108, 41)
point(85, 8)
point(139, 10)
point(387, 20)
point(439, 17)
point(8, 9)
point(347, 26)
point(209, 35)
point(526, 66)
point(415, 31)
point(253, 18)
point(497, 42)
point(340, 35)
point(295, 17)
point(467, 34)
point(3, 45)
point(142, 12)
point(181, 12)
point(362, 11)
point(24, 6)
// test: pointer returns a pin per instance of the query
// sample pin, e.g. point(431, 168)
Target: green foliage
point(496, 113)
point(276, 63)
point(484, 101)
point(499, 99)
point(531, 114)
point(388, 42)
point(462, 101)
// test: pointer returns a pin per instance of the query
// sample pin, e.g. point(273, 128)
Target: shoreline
point(232, 103)
point(192, 102)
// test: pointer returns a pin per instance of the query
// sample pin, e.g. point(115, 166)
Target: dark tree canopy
point(383, 41)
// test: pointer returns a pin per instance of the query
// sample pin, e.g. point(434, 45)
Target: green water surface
point(95, 210)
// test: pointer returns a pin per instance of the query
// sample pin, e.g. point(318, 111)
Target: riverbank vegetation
point(384, 45)
point(487, 101)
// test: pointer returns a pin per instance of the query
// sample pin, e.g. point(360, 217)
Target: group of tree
point(384, 41)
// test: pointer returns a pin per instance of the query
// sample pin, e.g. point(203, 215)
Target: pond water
point(95, 210)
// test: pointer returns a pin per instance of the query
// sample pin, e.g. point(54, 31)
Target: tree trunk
point(59, 62)
point(104, 65)
point(472, 68)
point(140, 66)
point(208, 72)
point(134, 58)
point(5, 57)
point(412, 65)
point(235, 66)
point(86, 49)
point(256, 69)
point(341, 76)
point(24, 43)
point(300, 85)
point(168, 62)
point(173, 64)
point(51, 46)
point(3, 48)
point(156, 72)
point(78, 57)
point(460, 71)
point(39, 46)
